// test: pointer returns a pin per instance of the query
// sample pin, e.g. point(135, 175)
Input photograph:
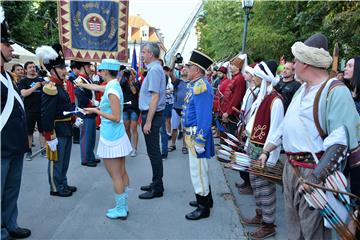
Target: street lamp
point(247, 5)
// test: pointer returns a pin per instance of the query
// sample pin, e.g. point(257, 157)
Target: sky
point(169, 16)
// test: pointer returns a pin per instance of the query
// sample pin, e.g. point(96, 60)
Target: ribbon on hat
point(317, 57)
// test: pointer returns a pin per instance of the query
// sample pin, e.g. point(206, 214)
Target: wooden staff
point(335, 62)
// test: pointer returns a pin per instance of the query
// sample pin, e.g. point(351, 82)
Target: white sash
point(12, 94)
point(88, 82)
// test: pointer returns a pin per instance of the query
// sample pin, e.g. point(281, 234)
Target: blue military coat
point(197, 114)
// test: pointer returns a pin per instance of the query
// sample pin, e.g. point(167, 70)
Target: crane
point(183, 34)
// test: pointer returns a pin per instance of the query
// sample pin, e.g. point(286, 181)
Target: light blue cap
point(109, 64)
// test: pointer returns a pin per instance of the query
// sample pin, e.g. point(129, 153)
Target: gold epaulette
point(200, 87)
point(50, 89)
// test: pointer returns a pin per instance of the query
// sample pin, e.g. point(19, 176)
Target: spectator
point(31, 89)
point(287, 86)
point(152, 104)
point(352, 74)
point(17, 71)
point(180, 90)
point(130, 87)
point(166, 126)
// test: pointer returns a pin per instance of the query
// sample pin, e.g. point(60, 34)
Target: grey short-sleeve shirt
point(154, 82)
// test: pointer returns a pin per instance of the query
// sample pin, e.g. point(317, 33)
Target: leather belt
point(304, 160)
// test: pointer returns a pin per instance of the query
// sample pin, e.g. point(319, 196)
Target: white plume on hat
point(2, 14)
point(45, 54)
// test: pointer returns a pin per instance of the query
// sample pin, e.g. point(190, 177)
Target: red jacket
point(233, 94)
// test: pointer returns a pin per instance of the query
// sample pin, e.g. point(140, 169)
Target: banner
point(134, 64)
point(93, 30)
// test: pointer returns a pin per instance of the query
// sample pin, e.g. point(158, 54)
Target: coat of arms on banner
point(93, 30)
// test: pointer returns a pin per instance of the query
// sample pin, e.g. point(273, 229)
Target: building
point(139, 32)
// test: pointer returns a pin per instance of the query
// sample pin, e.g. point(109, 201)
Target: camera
point(179, 58)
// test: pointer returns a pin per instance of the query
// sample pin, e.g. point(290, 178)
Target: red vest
point(261, 125)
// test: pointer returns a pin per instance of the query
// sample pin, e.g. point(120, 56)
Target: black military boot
point(202, 211)
point(211, 202)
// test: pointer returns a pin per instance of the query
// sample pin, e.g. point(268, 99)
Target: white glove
point(95, 103)
point(52, 144)
point(199, 150)
point(78, 122)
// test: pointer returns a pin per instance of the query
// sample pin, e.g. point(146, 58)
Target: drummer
point(267, 113)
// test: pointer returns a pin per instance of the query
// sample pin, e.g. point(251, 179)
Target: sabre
point(77, 110)
point(37, 152)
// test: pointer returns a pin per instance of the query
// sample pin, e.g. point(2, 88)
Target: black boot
point(211, 202)
point(202, 211)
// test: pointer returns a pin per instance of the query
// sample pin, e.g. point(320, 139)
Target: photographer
point(31, 90)
point(130, 87)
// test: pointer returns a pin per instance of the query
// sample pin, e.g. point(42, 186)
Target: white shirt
point(298, 132)
point(248, 100)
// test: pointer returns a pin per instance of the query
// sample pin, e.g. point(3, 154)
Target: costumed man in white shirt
point(321, 121)
point(267, 114)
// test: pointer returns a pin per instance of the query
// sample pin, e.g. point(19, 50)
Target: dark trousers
point(153, 150)
point(87, 140)
point(11, 170)
point(57, 170)
point(164, 137)
point(355, 188)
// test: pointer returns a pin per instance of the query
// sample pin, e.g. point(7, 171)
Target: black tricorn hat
point(200, 59)
point(5, 32)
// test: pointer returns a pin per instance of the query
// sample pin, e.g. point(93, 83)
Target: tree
point(32, 23)
point(275, 25)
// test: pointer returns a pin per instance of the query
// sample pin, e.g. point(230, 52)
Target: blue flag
point(134, 64)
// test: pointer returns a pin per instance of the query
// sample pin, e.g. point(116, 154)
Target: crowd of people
point(294, 109)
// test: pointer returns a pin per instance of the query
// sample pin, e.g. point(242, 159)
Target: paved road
point(82, 216)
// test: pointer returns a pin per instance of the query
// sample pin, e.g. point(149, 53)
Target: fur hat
point(200, 59)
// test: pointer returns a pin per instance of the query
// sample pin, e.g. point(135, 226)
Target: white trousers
point(199, 172)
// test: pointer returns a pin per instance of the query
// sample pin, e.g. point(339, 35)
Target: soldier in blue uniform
point(14, 142)
point(197, 122)
point(85, 98)
point(57, 126)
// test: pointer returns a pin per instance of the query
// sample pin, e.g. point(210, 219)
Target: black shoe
point(64, 193)
point(76, 142)
point(89, 164)
point(150, 195)
point(147, 188)
point(20, 233)
point(97, 160)
point(71, 188)
point(28, 156)
point(164, 156)
point(199, 213)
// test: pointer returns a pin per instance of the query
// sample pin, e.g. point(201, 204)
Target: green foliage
point(275, 25)
point(32, 23)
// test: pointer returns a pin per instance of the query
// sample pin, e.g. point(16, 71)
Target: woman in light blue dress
point(114, 143)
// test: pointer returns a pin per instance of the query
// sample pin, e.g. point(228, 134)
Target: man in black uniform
point(57, 126)
point(86, 98)
point(13, 145)
point(287, 86)
point(31, 89)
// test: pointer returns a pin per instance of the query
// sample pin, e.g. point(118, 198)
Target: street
point(82, 216)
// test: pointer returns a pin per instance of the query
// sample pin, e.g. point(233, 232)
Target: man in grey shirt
point(152, 104)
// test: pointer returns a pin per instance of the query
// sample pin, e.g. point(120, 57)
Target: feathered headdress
point(50, 57)
point(2, 14)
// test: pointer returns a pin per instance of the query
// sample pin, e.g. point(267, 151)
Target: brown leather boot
point(264, 231)
point(257, 220)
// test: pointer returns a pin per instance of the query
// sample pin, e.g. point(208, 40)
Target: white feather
point(2, 14)
point(46, 53)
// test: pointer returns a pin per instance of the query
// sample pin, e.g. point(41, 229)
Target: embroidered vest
point(261, 125)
